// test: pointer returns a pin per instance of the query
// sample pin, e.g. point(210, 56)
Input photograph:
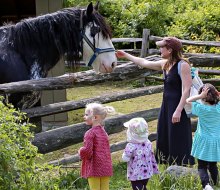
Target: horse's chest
point(35, 71)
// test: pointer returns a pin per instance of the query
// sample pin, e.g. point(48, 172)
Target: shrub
point(17, 155)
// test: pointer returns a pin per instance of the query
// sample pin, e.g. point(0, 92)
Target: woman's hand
point(120, 54)
point(176, 116)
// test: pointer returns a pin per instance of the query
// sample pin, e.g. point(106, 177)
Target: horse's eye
point(95, 30)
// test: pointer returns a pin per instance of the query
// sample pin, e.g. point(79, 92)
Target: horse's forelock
point(105, 28)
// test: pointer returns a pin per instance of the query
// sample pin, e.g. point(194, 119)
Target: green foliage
point(16, 152)
point(70, 179)
point(165, 181)
point(119, 180)
point(75, 3)
point(18, 168)
point(192, 20)
point(197, 20)
point(162, 181)
point(128, 18)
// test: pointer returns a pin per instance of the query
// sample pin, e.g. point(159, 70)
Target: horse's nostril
point(113, 64)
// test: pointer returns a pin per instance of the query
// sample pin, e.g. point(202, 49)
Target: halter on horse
point(30, 48)
point(95, 30)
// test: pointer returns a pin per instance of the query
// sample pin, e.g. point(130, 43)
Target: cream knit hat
point(137, 130)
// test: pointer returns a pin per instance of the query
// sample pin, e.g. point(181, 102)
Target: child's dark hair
point(212, 95)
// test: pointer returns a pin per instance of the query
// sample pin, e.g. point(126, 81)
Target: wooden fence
point(67, 135)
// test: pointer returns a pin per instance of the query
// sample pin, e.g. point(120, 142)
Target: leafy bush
point(71, 180)
point(192, 20)
point(19, 160)
point(128, 18)
point(17, 155)
point(197, 20)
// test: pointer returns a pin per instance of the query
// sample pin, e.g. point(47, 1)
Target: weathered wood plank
point(201, 71)
point(128, 40)
point(73, 105)
point(190, 42)
point(145, 43)
point(209, 72)
point(86, 78)
point(211, 61)
point(65, 136)
point(215, 82)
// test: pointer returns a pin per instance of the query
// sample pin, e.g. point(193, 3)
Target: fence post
point(145, 42)
point(52, 96)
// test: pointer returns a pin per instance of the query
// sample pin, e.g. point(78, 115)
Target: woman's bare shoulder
point(185, 62)
point(184, 65)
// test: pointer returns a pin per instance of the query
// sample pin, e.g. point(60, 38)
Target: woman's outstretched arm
point(155, 65)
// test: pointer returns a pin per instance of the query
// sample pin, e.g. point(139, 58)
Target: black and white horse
point(30, 48)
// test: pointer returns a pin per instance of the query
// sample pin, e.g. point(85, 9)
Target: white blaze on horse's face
point(104, 62)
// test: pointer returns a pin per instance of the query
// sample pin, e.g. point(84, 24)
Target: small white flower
point(139, 152)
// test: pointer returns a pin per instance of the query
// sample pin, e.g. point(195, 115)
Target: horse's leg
point(13, 69)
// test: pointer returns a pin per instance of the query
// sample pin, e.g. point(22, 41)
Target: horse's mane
point(58, 32)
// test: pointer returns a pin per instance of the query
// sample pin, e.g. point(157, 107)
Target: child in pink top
point(95, 153)
point(139, 154)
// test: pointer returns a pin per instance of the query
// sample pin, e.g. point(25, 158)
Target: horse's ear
point(89, 9)
point(96, 7)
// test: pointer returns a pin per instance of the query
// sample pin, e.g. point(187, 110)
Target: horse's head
point(98, 50)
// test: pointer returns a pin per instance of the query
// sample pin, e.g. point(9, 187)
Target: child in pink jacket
point(95, 153)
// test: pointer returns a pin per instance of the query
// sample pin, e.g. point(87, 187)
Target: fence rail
point(87, 78)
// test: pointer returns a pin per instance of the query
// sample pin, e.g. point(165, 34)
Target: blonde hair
point(99, 109)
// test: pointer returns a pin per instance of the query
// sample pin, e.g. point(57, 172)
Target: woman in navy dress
point(174, 133)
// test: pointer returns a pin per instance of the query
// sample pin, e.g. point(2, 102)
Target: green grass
point(69, 179)
point(122, 107)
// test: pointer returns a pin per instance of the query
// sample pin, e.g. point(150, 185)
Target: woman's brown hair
point(176, 56)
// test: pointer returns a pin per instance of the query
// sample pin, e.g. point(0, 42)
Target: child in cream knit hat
point(138, 154)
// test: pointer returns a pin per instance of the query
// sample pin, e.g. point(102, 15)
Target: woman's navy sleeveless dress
point(174, 141)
